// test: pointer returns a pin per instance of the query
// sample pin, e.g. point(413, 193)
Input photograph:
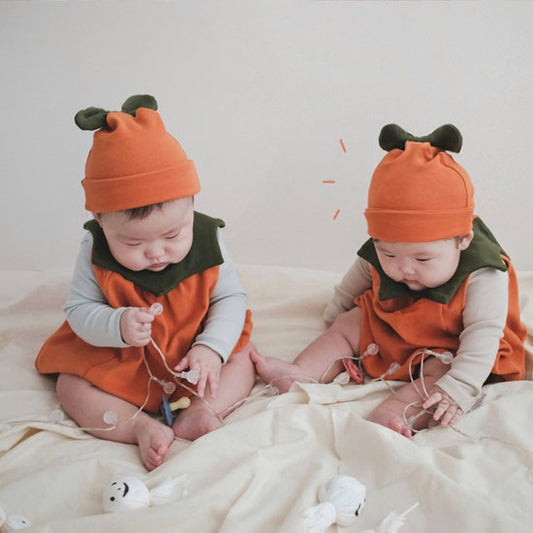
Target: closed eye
point(170, 237)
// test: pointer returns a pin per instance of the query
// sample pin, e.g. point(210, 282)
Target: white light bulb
point(156, 308)
point(56, 416)
point(111, 418)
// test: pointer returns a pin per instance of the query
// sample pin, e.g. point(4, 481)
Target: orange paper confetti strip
point(336, 214)
point(342, 144)
point(328, 181)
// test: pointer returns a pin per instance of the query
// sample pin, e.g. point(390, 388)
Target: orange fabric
point(419, 194)
point(122, 371)
point(135, 162)
point(403, 326)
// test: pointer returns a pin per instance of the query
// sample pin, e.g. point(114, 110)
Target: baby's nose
point(407, 267)
point(155, 251)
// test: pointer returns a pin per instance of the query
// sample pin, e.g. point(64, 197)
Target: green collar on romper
point(484, 251)
point(205, 253)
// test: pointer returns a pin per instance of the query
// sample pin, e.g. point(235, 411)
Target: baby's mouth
point(158, 266)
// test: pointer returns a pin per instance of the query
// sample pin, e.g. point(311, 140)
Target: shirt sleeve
point(484, 319)
point(227, 310)
point(356, 281)
point(87, 310)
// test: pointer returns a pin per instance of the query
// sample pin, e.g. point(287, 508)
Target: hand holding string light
point(203, 362)
point(207, 364)
point(447, 411)
point(136, 325)
point(191, 376)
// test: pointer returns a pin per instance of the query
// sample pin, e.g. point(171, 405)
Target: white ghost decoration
point(12, 523)
point(129, 493)
point(15, 523)
point(393, 522)
point(341, 501)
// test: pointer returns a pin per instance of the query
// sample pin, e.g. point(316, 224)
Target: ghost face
point(125, 494)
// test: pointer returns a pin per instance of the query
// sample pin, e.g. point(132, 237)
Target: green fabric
point(446, 137)
point(484, 251)
point(94, 118)
point(205, 253)
point(139, 100)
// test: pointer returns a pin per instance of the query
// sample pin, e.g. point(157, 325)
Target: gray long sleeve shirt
point(92, 319)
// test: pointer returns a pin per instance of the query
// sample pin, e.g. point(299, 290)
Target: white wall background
point(259, 92)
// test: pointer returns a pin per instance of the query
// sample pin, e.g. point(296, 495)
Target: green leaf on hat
point(446, 137)
point(139, 100)
point(94, 118)
point(91, 118)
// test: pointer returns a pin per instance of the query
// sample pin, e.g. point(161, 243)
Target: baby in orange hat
point(155, 297)
point(431, 299)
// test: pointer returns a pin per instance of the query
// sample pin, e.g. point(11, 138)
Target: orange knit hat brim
point(413, 226)
point(120, 193)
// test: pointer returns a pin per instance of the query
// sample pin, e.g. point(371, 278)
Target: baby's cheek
point(134, 261)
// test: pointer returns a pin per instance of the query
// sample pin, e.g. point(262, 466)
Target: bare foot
point(154, 439)
point(390, 414)
point(277, 372)
point(195, 421)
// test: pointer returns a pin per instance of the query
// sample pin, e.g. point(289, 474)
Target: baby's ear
point(465, 240)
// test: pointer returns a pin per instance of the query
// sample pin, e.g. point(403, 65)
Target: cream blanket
point(262, 469)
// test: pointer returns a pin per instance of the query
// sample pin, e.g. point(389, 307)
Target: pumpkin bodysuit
point(186, 291)
point(403, 323)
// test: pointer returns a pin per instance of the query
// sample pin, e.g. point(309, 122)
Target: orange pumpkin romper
point(403, 323)
point(184, 296)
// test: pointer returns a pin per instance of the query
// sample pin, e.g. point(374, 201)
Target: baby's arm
point(484, 319)
point(223, 327)
point(227, 310)
point(356, 281)
point(86, 307)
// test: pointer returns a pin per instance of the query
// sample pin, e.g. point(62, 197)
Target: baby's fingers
point(202, 382)
point(143, 316)
point(442, 408)
point(432, 399)
point(213, 383)
point(182, 365)
point(451, 416)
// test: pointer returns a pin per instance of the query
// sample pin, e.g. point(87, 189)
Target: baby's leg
point(390, 412)
point(86, 404)
point(321, 360)
point(237, 378)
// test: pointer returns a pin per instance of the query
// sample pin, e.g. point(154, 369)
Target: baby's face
point(421, 265)
point(152, 243)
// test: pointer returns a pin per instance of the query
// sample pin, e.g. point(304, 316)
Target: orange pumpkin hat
point(134, 161)
point(418, 193)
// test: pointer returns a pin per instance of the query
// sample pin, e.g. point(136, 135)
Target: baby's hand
point(446, 408)
point(207, 362)
point(136, 326)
